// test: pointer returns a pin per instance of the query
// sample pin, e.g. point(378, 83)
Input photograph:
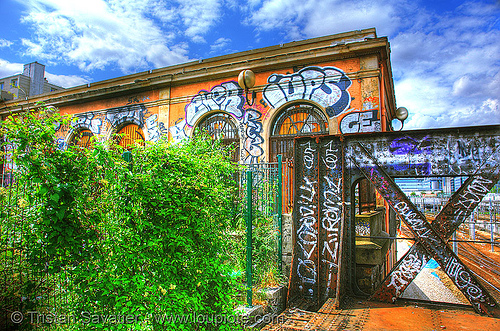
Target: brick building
point(338, 84)
point(328, 85)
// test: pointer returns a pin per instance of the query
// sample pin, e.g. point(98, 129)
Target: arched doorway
point(129, 135)
point(82, 138)
point(221, 126)
point(295, 120)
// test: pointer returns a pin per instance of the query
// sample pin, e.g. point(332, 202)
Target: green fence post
point(249, 239)
point(127, 156)
point(280, 215)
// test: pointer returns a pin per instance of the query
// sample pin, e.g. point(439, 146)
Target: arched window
point(296, 120)
point(221, 126)
point(82, 138)
point(129, 135)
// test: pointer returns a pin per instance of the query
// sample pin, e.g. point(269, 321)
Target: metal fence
point(261, 186)
point(483, 221)
point(23, 289)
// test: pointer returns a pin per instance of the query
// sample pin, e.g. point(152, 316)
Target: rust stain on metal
point(326, 167)
point(376, 316)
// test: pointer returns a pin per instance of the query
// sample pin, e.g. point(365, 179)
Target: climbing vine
point(146, 239)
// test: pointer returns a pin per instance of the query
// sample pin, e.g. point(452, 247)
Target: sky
point(445, 55)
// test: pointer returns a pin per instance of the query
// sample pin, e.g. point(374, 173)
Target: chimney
point(36, 72)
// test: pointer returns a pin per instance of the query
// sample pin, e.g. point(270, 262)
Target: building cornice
point(307, 52)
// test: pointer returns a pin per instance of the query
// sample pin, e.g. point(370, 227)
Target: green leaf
point(54, 197)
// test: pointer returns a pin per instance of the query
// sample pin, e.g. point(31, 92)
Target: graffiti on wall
point(362, 227)
point(152, 127)
point(330, 202)
point(228, 98)
point(421, 154)
point(360, 121)
point(126, 114)
point(307, 222)
point(136, 114)
point(325, 85)
point(89, 121)
point(252, 144)
point(109, 121)
point(427, 236)
point(408, 268)
point(318, 215)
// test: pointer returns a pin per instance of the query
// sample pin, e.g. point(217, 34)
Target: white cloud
point(452, 64)
point(199, 16)
point(301, 19)
point(9, 69)
point(66, 81)
point(220, 44)
point(5, 43)
point(487, 113)
point(94, 34)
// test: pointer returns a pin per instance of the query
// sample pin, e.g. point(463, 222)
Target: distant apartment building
point(31, 82)
point(446, 185)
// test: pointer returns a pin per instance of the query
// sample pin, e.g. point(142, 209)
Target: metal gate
point(326, 169)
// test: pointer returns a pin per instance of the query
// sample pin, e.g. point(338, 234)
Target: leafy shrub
point(148, 239)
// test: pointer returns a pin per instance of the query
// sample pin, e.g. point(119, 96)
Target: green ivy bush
point(148, 239)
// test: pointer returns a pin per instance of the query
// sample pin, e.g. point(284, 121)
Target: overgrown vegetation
point(91, 238)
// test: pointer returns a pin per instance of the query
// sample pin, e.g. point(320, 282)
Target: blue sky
point(445, 54)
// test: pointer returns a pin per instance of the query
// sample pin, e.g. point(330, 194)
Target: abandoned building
point(339, 84)
point(266, 101)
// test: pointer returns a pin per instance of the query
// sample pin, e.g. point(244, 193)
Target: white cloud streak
point(446, 65)
point(5, 43)
point(9, 69)
point(66, 81)
point(133, 34)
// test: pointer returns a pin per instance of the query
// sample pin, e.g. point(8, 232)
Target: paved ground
point(432, 283)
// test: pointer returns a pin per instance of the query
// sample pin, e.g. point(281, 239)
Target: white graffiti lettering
point(87, 121)
point(462, 278)
point(365, 121)
point(152, 127)
point(252, 144)
point(325, 85)
point(308, 155)
point(407, 270)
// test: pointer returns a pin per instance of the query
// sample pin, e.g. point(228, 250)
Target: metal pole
point(473, 227)
point(127, 156)
point(249, 239)
point(280, 214)
point(491, 229)
point(455, 244)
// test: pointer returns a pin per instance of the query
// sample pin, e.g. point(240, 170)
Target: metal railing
point(261, 186)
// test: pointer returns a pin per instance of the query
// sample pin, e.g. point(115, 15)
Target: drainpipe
point(280, 215)
point(249, 239)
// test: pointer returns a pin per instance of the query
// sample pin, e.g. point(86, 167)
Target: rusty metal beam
point(326, 167)
point(428, 153)
point(454, 213)
point(318, 215)
point(463, 202)
point(305, 266)
point(428, 238)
